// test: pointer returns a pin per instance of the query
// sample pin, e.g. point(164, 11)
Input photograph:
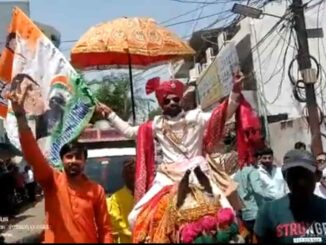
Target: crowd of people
point(17, 188)
point(265, 182)
point(186, 198)
point(259, 183)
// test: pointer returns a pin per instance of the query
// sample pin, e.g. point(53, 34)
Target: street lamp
point(248, 11)
point(255, 13)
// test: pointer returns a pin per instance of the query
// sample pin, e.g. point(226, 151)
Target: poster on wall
point(227, 63)
point(216, 81)
point(209, 87)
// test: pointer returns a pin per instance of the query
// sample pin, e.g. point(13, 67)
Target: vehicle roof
point(111, 152)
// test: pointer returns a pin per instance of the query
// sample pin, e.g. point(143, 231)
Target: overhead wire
point(183, 14)
point(208, 26)
point(262, 100)
point(277, 69)
point(168, 20)
point(212, 2)
point(196, 19)
point(199, 15)
point(276, 43)
point(187, 26)
point(173, 24)
point(287, 47)
point(209, 41)
point(258, 43)
point(300, 89)
point(314, 5)
point(260, 90)
point(319, 59)
point(262, 107)
point(270, 32)
point(279, 90)
point(267, 35)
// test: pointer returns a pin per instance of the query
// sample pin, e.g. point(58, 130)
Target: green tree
point(153, 113)
point(114, 91)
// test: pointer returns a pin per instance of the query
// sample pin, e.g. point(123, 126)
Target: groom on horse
point(185, 138)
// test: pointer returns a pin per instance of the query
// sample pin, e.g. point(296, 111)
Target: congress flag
point(58, 103)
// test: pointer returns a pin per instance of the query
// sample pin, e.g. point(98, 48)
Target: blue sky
point(72, 18)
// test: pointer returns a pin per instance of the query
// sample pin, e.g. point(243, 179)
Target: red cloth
point(249, 137)
point(215, 128)
point(145, 160)
point(162, 90)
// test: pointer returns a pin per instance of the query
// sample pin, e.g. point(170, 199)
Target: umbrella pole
point(132, 90)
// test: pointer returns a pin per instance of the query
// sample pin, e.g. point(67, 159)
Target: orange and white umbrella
point(124, 41)
point(128, 43)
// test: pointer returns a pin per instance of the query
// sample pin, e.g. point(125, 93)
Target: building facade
point(265, 53)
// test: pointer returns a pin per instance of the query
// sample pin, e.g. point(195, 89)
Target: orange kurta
point(72, 216)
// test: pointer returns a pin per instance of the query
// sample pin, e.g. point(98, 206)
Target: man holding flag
point(76, 210)
point(75, 207)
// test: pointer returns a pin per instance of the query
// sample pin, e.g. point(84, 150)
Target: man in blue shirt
point(251, 192)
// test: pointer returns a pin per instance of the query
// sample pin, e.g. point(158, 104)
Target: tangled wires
point(299, 87)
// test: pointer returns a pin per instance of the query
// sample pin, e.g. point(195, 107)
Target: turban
point(163, 89)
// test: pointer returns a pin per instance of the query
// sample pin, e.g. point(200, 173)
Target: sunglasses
point(168, 101)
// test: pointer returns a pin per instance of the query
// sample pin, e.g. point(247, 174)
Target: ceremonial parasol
point(126, 43)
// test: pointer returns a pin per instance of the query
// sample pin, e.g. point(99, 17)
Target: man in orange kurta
point(75, 207)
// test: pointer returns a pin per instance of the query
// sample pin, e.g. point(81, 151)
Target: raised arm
point(31, 151)
point(232, 104)
point(124, 128)
point(232, 107)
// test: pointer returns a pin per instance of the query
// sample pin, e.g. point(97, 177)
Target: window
point(107, 171)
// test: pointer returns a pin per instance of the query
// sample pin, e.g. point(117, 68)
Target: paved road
point(29, 222)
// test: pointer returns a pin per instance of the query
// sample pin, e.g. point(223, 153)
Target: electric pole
point(308, 75)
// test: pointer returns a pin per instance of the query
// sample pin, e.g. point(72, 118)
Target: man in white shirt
point(179, 133)
point(271, 175)
point(30, 183)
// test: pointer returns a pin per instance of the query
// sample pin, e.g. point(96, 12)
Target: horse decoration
point(195, 214)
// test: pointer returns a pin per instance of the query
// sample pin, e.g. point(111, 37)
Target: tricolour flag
point(58, 104)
